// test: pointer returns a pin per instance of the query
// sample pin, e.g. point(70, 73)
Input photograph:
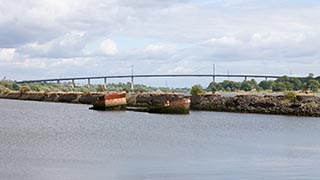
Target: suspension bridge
point(132, 77)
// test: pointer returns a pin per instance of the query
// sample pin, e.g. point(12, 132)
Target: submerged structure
point(110, 101)
point(168, 103)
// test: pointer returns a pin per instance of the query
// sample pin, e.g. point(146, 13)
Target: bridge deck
point(153, 76)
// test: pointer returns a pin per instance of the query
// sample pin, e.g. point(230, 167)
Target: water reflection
point(64, 141)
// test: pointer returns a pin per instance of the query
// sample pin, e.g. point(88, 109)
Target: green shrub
point(246, 86)
point(230, 85)
point(24, 89)
point(279, 86)
point(85, 91)
point(101, 88)
point(46, 89)
point(214, 87)
point(290, 96)
point(196, 90)
point(126, 89)
point(313, 85)
point(266, 85)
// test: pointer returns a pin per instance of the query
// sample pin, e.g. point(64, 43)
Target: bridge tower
point(105, 82)
point(213, 73)
point(132, 88)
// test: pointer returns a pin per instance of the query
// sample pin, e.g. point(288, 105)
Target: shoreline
point(300, 105)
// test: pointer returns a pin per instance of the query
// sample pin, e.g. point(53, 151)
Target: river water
point(55, 141)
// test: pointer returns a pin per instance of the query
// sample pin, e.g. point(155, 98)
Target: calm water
point(53, 141)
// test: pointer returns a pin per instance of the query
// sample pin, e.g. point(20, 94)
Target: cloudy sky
point(73, 38)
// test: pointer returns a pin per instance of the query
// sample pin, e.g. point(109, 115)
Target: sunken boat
point(110, 101)
point(163, 103)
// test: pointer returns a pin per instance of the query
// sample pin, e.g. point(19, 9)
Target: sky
point(42, 39)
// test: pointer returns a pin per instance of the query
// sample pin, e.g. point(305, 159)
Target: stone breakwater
point(153, 103)
point(74, 97)
point(166, 103)
point(298, 106)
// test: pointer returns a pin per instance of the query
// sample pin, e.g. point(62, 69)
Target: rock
point(308, 99)
point(69, 97)
point(51, 97)
point(88, 98)
point(33, 96)
point(305, 106)
point(13, 95)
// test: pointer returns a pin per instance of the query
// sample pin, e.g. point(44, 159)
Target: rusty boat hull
point(110, 101)
point(181, 106)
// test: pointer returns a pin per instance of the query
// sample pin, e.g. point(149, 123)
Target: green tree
point(283, 79)
point(254, 84)
point(279, 86)
point(313, 85)
point(230, 85)
point(304, 87)
point(288, 85)
point(196, 90)
point(266, 85)
point(214, 87)
point(296, 83)
point(247, 86)
point(310, 75)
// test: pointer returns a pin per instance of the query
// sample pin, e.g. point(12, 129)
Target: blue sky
point(49, 39)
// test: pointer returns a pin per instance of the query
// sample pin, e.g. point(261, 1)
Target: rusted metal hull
point(111, 101)
point(181, 106)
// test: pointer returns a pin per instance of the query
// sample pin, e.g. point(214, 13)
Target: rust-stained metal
point(112, 101)
point(181, 103)
point(180, 106)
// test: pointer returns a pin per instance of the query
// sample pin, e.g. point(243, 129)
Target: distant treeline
point(284, 83)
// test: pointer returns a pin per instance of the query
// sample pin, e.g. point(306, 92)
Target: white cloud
point(180, 70)
point(32, 64)
point(7, 54)
point(71, 44)
point(109, 47)
point(264, 46)
point(159, 48)
point(226, 41)
point(52, 35)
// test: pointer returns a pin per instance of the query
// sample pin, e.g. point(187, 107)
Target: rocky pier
point(300, 105)
point(171, 103)
point(65, 97)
